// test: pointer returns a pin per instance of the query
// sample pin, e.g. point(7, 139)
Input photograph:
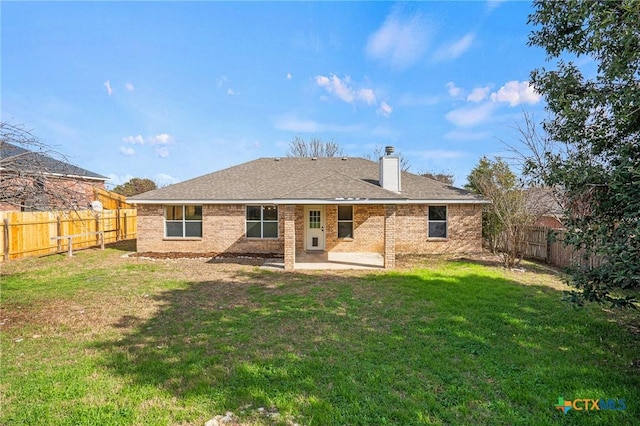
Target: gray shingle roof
point(290, 179)
point(16, 158)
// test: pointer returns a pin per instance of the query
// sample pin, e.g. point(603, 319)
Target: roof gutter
point(349, 201)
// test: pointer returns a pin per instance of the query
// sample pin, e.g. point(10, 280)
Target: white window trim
point(445, 221)
point(184, 222)
point(262, 222)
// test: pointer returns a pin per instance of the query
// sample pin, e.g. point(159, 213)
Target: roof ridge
point(309, 184)
point(370, 184)
point(339, 173)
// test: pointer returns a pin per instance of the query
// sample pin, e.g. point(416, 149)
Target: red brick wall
point(368, 230)
point(224, 229)
point(62, 193)
point(464, 230)
point(300, 225)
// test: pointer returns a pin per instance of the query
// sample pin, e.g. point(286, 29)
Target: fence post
point(70, 250)
point(118, 222)
point(97, 229)
point(6, 239)
point(125, 225)
point(59, 232)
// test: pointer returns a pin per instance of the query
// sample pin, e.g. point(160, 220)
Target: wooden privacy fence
point(38, 233)
point(548, 245)
point(110, 200)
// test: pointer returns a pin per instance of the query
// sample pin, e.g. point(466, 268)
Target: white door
point(315, 228)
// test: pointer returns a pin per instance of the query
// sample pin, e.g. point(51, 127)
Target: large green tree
point(594, 119)
point(135, 186)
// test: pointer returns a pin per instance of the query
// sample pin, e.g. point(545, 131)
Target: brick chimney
point(390, 170)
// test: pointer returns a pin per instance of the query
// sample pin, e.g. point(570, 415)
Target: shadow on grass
point(397, 348)
point(125, 245)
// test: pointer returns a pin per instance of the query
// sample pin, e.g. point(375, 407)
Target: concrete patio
point(331, 261)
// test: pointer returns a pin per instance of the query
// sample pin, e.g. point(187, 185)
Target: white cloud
point(161, 139)
point(367, 96)
point(129, 87)
point(134, 140)
point(162, 152)
point(343, 90)
point(127, 150)
point(470, 116)
point(385, 109)
point(513, 92)
point(454, 49)
point(163, 179)
point(115, 180)
point(454, 91)
point(289, 76)
point(107, 84)
point(230, 92)
point(401, 40)
point(516, 93)
point(478, 94)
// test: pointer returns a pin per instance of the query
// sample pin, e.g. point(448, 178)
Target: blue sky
point(174, 90)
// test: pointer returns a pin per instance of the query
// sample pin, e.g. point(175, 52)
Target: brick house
point(290, 206)
point(542, 203)
point(35, 181)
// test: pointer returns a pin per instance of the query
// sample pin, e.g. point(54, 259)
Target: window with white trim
point(262, 221)
point(345, 221)
point(437, 226)
point(183, 221)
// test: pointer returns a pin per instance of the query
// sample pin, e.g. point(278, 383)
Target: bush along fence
point(547, 244)
point(27, 234)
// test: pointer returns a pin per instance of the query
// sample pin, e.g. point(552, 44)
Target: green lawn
point(101, 339)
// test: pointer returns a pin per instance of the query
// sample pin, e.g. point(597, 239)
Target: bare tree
point(512, 211)
point(314, 147)
point(33, 176)
point(533, 154)
point(378, 152)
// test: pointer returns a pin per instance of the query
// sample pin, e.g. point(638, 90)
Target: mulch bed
point(208, 255)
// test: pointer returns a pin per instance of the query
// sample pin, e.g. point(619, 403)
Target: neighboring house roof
point(293, 180)
point(21, 159)
point(543, 202)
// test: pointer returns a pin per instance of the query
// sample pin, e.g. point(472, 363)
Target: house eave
point(59, 175)
point(310, 201)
